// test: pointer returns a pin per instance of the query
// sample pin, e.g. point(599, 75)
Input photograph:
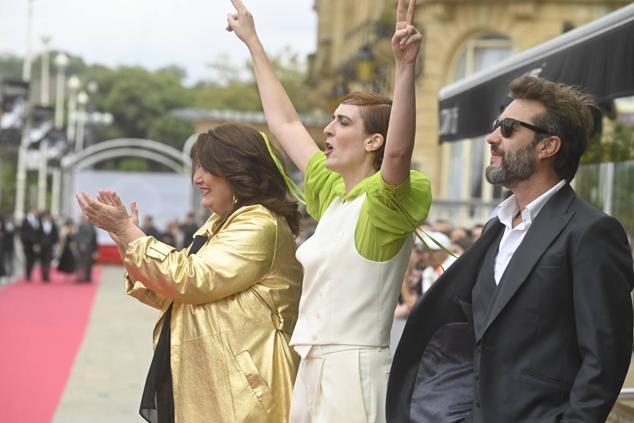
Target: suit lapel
point(438, 305)
point(549, 223)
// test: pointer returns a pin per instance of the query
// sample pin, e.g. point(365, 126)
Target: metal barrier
point(461, 212)
point(627, 394)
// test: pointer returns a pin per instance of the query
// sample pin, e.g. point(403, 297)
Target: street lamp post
point(20, 177)
point(44, 99)
point(82, 100)
point(56, 190)
point(61, 61)
point(26, 65)
point(364, 64)
point(73, 86)
point(41, 175)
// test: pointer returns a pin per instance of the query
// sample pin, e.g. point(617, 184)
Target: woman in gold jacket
point(230, 299)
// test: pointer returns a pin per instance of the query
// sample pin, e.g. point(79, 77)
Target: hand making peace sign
point(406, 40)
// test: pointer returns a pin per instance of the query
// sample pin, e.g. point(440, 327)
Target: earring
point(235, 200)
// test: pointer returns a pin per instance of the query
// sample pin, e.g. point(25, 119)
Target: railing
point(609, 186)
point(462, 213)
point(627, 394)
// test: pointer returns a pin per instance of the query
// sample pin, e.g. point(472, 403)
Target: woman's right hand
point(241, 23)
point(110, 218)
point(112, 199)
point(107, 212)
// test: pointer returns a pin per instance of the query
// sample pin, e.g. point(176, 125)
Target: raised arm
point(402, 129)
point(281, 116)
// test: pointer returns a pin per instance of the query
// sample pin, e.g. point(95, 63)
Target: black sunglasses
point(508, 124)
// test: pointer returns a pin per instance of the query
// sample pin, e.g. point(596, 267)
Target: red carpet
point(41, 329)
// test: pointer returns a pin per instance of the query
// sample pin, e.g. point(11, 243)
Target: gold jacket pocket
point(255, 380)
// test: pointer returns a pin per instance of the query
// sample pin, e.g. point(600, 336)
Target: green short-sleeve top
point(388, 215)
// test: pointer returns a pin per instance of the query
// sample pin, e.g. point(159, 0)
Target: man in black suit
point(50, 236)
point(31, 237)
point(533, 323)
point(86, 240)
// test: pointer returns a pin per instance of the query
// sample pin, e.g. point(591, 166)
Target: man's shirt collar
point(509, 207)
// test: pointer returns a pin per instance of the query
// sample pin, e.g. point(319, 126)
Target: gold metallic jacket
point(235, 307)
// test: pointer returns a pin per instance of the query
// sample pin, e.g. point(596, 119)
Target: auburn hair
point(375, 114)
point(239, 154)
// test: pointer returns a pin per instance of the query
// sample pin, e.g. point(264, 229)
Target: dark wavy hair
point(375, 114)
point(239, 154)
point(569, 114)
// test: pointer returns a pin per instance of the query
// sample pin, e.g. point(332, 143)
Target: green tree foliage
point(10, 66)
point(233, 87)
point(616, 145)
point(8, 162)
point(140, 102)
point(133, 165)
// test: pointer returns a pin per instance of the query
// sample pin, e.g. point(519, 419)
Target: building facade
point(460, 37)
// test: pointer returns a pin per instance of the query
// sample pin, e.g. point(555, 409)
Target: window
point(468, 158)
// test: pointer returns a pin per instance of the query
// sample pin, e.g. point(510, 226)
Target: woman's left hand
point(106, 214)
point(406, 40)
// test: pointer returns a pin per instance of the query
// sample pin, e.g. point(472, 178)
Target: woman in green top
point(368, 204)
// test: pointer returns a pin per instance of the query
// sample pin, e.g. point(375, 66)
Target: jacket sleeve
point(146, 296)
point(233, 260)
point(602, 281)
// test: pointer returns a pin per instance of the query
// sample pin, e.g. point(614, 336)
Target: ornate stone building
point(460, 37)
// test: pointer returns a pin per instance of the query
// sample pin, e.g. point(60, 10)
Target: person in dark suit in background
point(3, 271)
point(86, 245)
point(189, 228)
point(533, 323)
point(148, 227)
point(8, 245)
point(49, 238)
point(31, 237)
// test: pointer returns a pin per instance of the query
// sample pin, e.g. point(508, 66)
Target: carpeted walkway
point(41, 328)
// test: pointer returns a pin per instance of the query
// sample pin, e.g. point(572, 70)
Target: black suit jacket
point(30, 235)
point(556, 345)
point(48, 241)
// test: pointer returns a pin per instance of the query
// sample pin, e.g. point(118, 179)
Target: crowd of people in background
point(7, 246)
point(71, 247)
point(47, 242)
point(438, 246)
point(67, 245)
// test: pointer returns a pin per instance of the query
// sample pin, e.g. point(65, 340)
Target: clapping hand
point(111, 198)
point(107, 211)
point(406, 40)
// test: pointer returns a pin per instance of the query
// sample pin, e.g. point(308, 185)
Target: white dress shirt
point(513, 236)
point(33, 221)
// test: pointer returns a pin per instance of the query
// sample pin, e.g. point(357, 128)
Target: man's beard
point(515, 166)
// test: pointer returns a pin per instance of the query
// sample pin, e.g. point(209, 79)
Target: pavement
point(108, 375)
point(107, 379)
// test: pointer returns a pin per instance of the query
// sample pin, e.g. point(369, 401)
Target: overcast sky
point(155, 33)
